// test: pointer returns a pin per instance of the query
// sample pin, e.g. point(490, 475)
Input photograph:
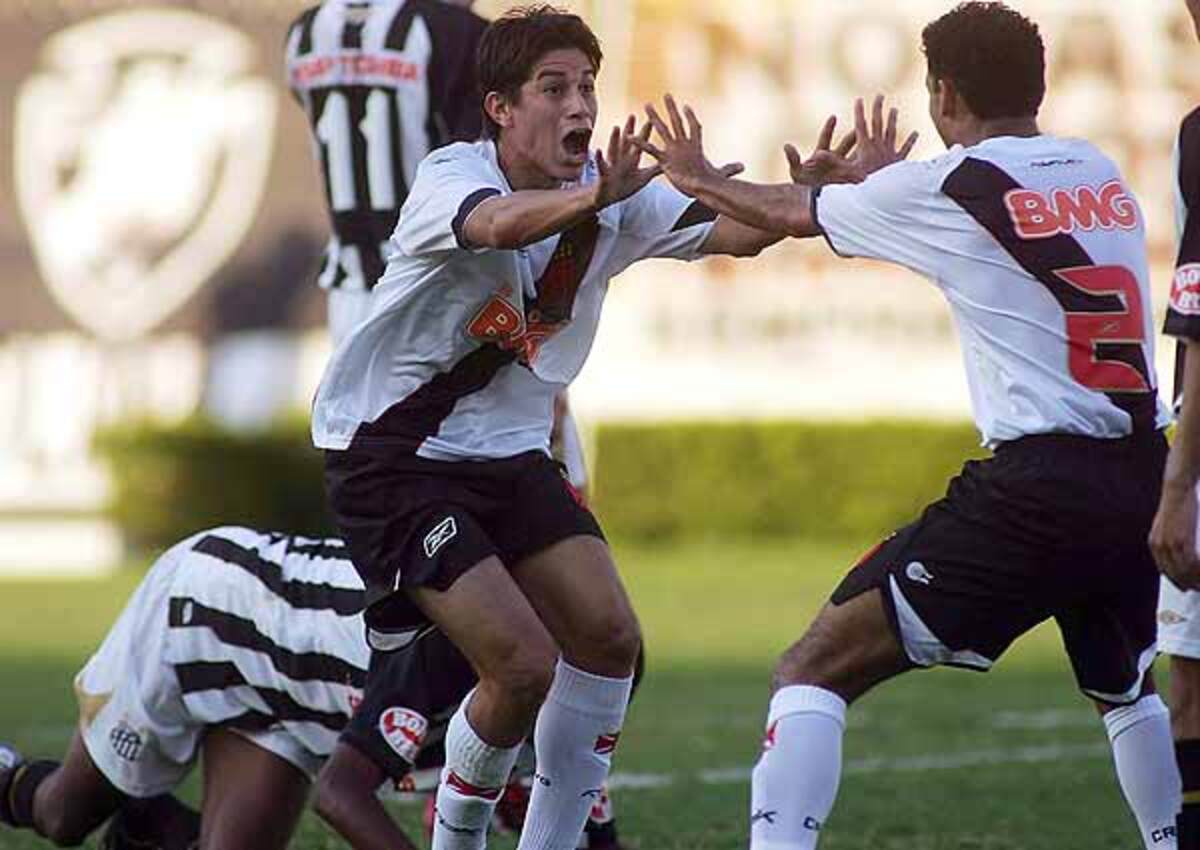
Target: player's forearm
point(346, 800)
point(784, 208)
point(1183, 464)
point(522, 218)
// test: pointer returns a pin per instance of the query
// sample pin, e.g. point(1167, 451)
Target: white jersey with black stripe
point(466, 348)
point(1039, 248)
point(383, 82)
point(264, 631)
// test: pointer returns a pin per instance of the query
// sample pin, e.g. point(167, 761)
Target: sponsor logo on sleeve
point(404, 730)
point(442, 533)
point(1185, 290)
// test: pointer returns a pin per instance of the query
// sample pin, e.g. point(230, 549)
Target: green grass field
point(942, 760)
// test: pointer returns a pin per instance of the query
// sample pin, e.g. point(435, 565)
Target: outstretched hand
point(681, 156)
point(876, 146)
point(826, 165)
point(621, 174)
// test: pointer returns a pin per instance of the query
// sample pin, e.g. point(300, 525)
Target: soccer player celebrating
point(436, 413)
point(1039, 248)
point(1173, 536)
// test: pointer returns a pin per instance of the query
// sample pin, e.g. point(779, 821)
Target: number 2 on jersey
point(334, 129)
point(1120, 332)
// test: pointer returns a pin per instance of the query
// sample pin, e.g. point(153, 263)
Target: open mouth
point(575, 143)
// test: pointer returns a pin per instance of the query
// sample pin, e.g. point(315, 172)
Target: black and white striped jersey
point(264, 630)
point(383, 83)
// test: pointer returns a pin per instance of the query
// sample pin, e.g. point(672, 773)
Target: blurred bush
point(172, 480)
point(653, 481)
point(818, 480)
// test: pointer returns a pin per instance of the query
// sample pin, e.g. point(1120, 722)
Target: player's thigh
point(77, 797)
point(848, 649)
point(253, 798)
point(1184, 697)
point(485, 614)
point(576, 590)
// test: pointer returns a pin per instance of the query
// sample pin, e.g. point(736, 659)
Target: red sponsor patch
point(1185, 290)
point(605, 744)
point(404, 730)
point(1038, 215)
point(499, 322)
point(769, 738)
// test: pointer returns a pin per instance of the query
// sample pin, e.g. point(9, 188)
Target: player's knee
point(608, 645)
point(527, 674)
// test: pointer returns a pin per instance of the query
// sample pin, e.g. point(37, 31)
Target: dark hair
point(516, 41)
point(993, 55)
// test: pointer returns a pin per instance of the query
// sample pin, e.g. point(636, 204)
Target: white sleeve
point(660, 221)
point(886, 217)
point(447, 189)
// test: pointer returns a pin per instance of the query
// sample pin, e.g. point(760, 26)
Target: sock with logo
point(17, 787)
point(796, 779)
point(1187, 756)
point(600, 831)
point(576, 732)
point(472, 781)
point(1140, 735)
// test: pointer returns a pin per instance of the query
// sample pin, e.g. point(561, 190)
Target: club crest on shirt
point(142, 146)
point(404, 730)
point(1185, 290)
point(1166, 617)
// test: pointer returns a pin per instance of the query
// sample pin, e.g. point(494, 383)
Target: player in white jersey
point(1173, 537)
point(1038, 246)
point(436, 413)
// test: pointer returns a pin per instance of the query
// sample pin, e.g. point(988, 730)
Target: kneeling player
point(248, 646)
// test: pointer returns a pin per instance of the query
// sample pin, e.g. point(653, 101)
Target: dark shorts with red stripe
point(413, 522)
point(1050, 526)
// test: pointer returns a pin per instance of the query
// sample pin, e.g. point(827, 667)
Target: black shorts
point(409, 698)
point(1051, 526)
point(413, 522)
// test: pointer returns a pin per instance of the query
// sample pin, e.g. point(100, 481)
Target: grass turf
point(942, 760)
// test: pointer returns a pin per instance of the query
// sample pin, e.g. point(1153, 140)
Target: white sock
point(796, 779)
point(576, 733)
point(472, 781)
point(1145, 758)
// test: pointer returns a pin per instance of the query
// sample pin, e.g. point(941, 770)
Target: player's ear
point(498, 108)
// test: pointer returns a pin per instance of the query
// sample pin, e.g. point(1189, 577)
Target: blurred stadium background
point(752, 425)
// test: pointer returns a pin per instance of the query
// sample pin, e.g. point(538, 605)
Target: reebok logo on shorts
point(442, 534)
point(916, 572)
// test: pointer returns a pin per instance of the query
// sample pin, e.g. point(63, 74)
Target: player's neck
point(520, 171)
point(980, 131)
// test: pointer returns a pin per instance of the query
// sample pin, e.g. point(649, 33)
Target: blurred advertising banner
point(161, 221)
point(797, 331)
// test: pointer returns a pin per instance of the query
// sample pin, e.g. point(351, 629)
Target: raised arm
point(530, 215)
point(784, 208)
